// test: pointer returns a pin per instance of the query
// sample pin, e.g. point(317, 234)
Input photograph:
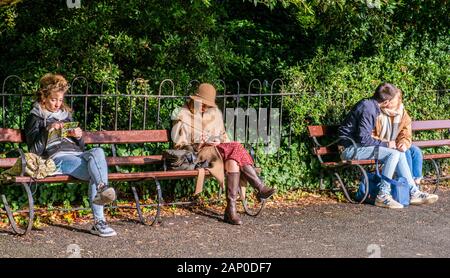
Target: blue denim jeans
point(415, 161)
point(393, 162)
point(88, 166)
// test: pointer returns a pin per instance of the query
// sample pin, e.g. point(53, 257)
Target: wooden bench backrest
point(430, 125)
point(8, 135)
point(318, 131)
point(100, 137)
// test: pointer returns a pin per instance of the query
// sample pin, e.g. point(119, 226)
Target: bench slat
point(121, 176)
point(346, 162)
point(321, 130)
point(432, 143)
point(325, 150)
point(7, 162)
point(134, 160)
point(112, 161)
point(126, 136)
point(10, 135)
point(421, 144)
point(430, 125)
point(369, 162)
point(100, 137)
point(436, 156)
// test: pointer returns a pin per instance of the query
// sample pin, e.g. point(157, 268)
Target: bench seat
point(161, 175)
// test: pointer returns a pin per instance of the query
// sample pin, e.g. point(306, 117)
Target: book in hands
point(64, 131)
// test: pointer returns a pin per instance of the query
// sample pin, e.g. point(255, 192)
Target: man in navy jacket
point(358, 143)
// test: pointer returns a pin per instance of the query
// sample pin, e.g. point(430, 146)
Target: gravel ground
point(320, 230)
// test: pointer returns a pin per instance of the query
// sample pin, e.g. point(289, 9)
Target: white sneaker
point(420, 198)
point(386, 201)
point(102, 229)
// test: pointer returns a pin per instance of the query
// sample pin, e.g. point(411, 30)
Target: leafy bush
point(332, 52)
point(333, 81)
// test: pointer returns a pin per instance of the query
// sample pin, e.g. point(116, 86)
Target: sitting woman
point(199, 125)
point(43, 132)
point(395, 125)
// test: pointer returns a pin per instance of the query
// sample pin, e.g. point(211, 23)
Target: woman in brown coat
point(395, 125)
point(199, 125)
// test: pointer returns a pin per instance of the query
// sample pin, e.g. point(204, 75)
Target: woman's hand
point(76, 132)
point(203, 138)
point(401, 147)
point(56, 125)
point(213, 143)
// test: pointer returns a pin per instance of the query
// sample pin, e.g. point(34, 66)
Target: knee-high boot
point(252, 177)
point(231, 215)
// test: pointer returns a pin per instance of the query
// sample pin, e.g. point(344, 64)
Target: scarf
point(46, 115)
point(59, 115)
point(390, 123)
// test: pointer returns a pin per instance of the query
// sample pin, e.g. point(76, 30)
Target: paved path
point(324, 230)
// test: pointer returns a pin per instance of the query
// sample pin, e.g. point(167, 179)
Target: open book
point(54, 134)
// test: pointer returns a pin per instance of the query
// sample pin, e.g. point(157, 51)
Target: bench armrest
point(353, 143)
point(336, 142)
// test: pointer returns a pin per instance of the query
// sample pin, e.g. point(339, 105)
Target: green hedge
point(334, 80)
point(332, 52)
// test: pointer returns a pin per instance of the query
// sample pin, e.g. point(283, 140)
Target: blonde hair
point(51, 83)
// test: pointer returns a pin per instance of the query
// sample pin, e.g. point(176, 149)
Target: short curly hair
point(50, 83)
point(385, 91)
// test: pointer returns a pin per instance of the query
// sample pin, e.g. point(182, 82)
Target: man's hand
point(392, 145)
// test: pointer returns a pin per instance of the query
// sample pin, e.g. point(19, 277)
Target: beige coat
point(405, 131)
point(187, 129)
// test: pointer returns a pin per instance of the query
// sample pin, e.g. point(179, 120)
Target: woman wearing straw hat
point(199, 125)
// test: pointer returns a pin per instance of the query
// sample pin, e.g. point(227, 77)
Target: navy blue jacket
point(360, 123)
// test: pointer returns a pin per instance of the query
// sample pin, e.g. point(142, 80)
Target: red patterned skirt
point(236, 152)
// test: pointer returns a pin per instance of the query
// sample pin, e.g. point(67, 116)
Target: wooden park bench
point(109, 137)
point(330, 161)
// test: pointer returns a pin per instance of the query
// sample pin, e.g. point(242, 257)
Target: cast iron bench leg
point(159, 200)
point(252, 211)
point(138, 205)
point(438, 174)
point(157, 218)
point(13, 222)
point(344, 188)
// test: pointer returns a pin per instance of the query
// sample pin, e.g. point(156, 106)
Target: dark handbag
point(374, 188)
point(183, 159)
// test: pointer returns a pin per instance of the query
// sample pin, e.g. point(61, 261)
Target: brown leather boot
point(253, 179)
point(231, 215)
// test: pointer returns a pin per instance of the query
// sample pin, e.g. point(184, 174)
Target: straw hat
point(206, 94)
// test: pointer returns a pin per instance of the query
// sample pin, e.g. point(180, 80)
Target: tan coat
point(405, 131)
point(187, 129)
